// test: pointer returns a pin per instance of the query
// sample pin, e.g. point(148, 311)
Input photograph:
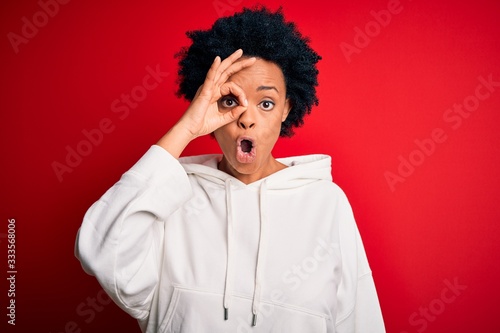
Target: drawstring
point(230, 251)
point(261, 257)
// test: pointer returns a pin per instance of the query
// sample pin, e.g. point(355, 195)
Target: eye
point(228, 102)
point(266, 105)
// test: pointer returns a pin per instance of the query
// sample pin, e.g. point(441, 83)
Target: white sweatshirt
point(184, 247)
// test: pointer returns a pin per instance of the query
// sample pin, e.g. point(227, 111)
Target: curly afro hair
point(263, 34)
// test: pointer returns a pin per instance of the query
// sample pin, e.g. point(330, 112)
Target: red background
point(440, 224)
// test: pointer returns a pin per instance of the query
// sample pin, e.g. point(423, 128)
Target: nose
point(247, 119)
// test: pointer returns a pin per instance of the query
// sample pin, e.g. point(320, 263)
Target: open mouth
point(246, 150)
point(246, 145)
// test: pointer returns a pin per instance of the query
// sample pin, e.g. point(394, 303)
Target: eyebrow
point(267, 88)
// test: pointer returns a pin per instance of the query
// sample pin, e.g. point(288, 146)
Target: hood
point(301, 171)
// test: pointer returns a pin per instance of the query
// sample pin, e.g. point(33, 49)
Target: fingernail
point(245, 102)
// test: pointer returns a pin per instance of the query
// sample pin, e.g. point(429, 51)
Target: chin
point(247, 168)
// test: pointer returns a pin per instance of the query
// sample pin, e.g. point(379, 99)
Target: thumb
point(234, 114)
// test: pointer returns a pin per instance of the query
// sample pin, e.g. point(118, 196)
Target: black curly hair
point(263, 34)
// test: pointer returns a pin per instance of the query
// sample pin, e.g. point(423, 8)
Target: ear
point(286, 111)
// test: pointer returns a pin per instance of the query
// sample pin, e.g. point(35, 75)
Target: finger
point(228, 61)
point(231, 88)
point(232, 115)
point(207, 87)
point(212, 72)
point(234, 68)
point(200, 88)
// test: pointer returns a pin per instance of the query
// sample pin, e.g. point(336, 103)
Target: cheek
point(221, 137)
point(271, 134)
point(273, 122)
point(225, 137)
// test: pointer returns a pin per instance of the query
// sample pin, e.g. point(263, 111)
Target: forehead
point(262, 72)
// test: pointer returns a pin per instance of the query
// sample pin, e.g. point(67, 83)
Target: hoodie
point(184, 247)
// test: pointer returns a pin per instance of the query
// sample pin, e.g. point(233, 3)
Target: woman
point(238, 242)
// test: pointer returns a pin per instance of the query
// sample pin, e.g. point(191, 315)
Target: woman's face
point(247, 143)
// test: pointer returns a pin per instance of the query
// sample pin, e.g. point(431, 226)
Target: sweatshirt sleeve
point(120, 239)
point(358, 306)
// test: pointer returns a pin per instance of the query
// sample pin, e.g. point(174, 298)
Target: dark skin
point(241, 98)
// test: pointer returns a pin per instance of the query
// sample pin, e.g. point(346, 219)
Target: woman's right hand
point(203, 115)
